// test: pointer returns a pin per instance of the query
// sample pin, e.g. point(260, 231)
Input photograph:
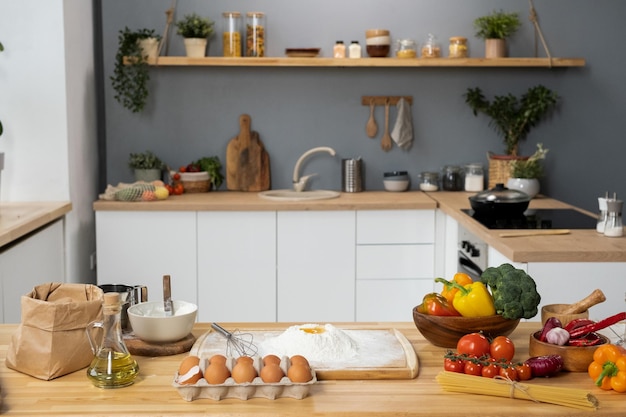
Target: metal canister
point(352, 175)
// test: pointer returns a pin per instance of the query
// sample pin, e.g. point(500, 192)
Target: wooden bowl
point(554, 310)
point(445, 331)
point(575, 358)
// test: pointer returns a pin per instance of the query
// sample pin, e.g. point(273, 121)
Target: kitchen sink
point(291, 195)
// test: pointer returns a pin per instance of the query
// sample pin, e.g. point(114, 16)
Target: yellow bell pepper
point(472, 300)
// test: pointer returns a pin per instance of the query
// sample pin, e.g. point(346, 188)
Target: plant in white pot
point(525, 173)
point(512, 118)
point(196, 30)
point(495, 28)
point(147, 166)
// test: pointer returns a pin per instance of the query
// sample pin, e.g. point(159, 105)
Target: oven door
point(469, 267)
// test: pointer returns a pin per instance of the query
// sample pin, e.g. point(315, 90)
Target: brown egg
point(244, 372)
point(299, 373)
point(217, 359)
point(271, 359)
point(247, 359)
point(216, 373)
point(189, 371)
point(272, 373)
point(299, 359)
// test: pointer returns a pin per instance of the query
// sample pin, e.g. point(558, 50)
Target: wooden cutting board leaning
point(247, 161)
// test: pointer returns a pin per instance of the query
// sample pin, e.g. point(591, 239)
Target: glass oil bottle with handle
point(112, 365)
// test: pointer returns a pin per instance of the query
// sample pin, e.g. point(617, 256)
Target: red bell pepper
point(435, 304)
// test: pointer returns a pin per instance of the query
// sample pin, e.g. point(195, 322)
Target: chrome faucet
point(300, 182)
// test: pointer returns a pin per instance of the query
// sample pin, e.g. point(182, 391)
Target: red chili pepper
point(591, 340)
point(609, 321)
point(576, 323)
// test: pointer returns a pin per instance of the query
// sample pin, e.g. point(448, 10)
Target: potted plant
point(196, 30)
point(147, 166)
point(130, 75)
point(525, 173)
point(495, 28)
point(512, 118)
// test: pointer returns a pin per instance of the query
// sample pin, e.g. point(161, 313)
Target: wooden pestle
point(596, 297)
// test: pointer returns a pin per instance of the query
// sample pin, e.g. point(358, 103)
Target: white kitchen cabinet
point(237, 266)
point(315, 266)
point(34, 259)
point(139, 247)
point(395, 262)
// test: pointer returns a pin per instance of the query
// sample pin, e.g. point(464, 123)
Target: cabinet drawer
point(395, 226)
point(390, 300)
point(395, 261)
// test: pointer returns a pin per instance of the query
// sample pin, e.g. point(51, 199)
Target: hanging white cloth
point(402, 132)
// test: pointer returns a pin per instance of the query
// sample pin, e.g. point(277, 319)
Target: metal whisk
point(241, 343)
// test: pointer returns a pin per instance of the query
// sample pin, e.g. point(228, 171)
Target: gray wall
point(193, 112)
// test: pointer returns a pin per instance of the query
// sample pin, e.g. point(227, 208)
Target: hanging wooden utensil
point(371, 128)
point(385, 142)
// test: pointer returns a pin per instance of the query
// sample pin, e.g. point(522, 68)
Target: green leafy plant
point(511, 117)
point(213, 166)
point(497, 25)
point(146, 160)
point(194, 26)
point(130, 78)
point(531, 167)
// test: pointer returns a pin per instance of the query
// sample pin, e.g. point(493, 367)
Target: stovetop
point(538, 219)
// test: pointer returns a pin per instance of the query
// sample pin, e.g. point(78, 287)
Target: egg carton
point(285, 388)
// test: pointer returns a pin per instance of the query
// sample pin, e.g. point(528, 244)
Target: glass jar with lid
point(231, 34)
point(429, 181)
point(406, 48)
point(474, 177)
point(255, 34)
point(451, 180)
point(457, 47)
point(431, 48)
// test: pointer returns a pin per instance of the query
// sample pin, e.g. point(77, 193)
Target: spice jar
point(406, 48)
point(429, 181)
point(457, 47)
point(431, 48)
point(231, 35)
point(451, 180)
point(354, 50)
point(614, 226)
point(474, 177)
point(255, 34)
point(339, 50)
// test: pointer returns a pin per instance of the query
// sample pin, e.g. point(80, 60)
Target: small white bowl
point(396, 185)
point(150, 323)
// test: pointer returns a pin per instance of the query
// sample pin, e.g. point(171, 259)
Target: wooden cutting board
point(247, 161)
point(386, 354)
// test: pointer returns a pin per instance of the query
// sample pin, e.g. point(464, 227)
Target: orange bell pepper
point(449, 291)
point(608, 368)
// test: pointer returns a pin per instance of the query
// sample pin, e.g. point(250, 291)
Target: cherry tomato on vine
point(472, 368)
point(490, 371)
point(453, 365)
point(524, 372)
point(475, 344)
point(502, 348)
point(509, 372)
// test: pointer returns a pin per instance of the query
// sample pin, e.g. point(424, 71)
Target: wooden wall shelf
point(367, 62)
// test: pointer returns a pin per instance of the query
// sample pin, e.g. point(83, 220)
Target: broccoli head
point(514, 291)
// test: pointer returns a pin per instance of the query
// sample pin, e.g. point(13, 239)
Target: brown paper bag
point(51, 340)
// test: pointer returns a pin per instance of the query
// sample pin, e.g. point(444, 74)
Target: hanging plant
point(130, 78)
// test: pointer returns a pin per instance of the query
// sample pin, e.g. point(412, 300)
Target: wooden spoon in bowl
point(371, 128)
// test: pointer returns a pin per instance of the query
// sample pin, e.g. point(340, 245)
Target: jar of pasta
point(457, 47)
point(431, 48)
point(406, 48)
point(255, 34)
point(231, 34)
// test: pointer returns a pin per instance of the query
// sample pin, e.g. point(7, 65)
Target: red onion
point(548, 365)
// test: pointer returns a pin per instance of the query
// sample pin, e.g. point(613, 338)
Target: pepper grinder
point(602, 215)
point(614, 226)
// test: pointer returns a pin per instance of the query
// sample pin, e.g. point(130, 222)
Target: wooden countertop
point(250, 201)
point(153, 394)
point(20, 218)
point(577, 246)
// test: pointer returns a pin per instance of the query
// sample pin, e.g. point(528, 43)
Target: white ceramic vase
point(529, 186)
point(147, 175)
point(195, 47)
point(150, 47)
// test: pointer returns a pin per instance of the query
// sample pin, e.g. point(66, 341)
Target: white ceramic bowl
point(396, 185)
point(150, 323)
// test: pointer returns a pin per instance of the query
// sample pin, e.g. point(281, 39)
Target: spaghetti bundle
point(568, 397)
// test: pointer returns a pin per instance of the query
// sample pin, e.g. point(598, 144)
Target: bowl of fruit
point(493, 306)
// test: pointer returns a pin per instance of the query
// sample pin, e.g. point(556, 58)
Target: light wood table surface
point(153, 394)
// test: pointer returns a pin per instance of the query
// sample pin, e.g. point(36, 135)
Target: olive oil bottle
point(112, 365)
